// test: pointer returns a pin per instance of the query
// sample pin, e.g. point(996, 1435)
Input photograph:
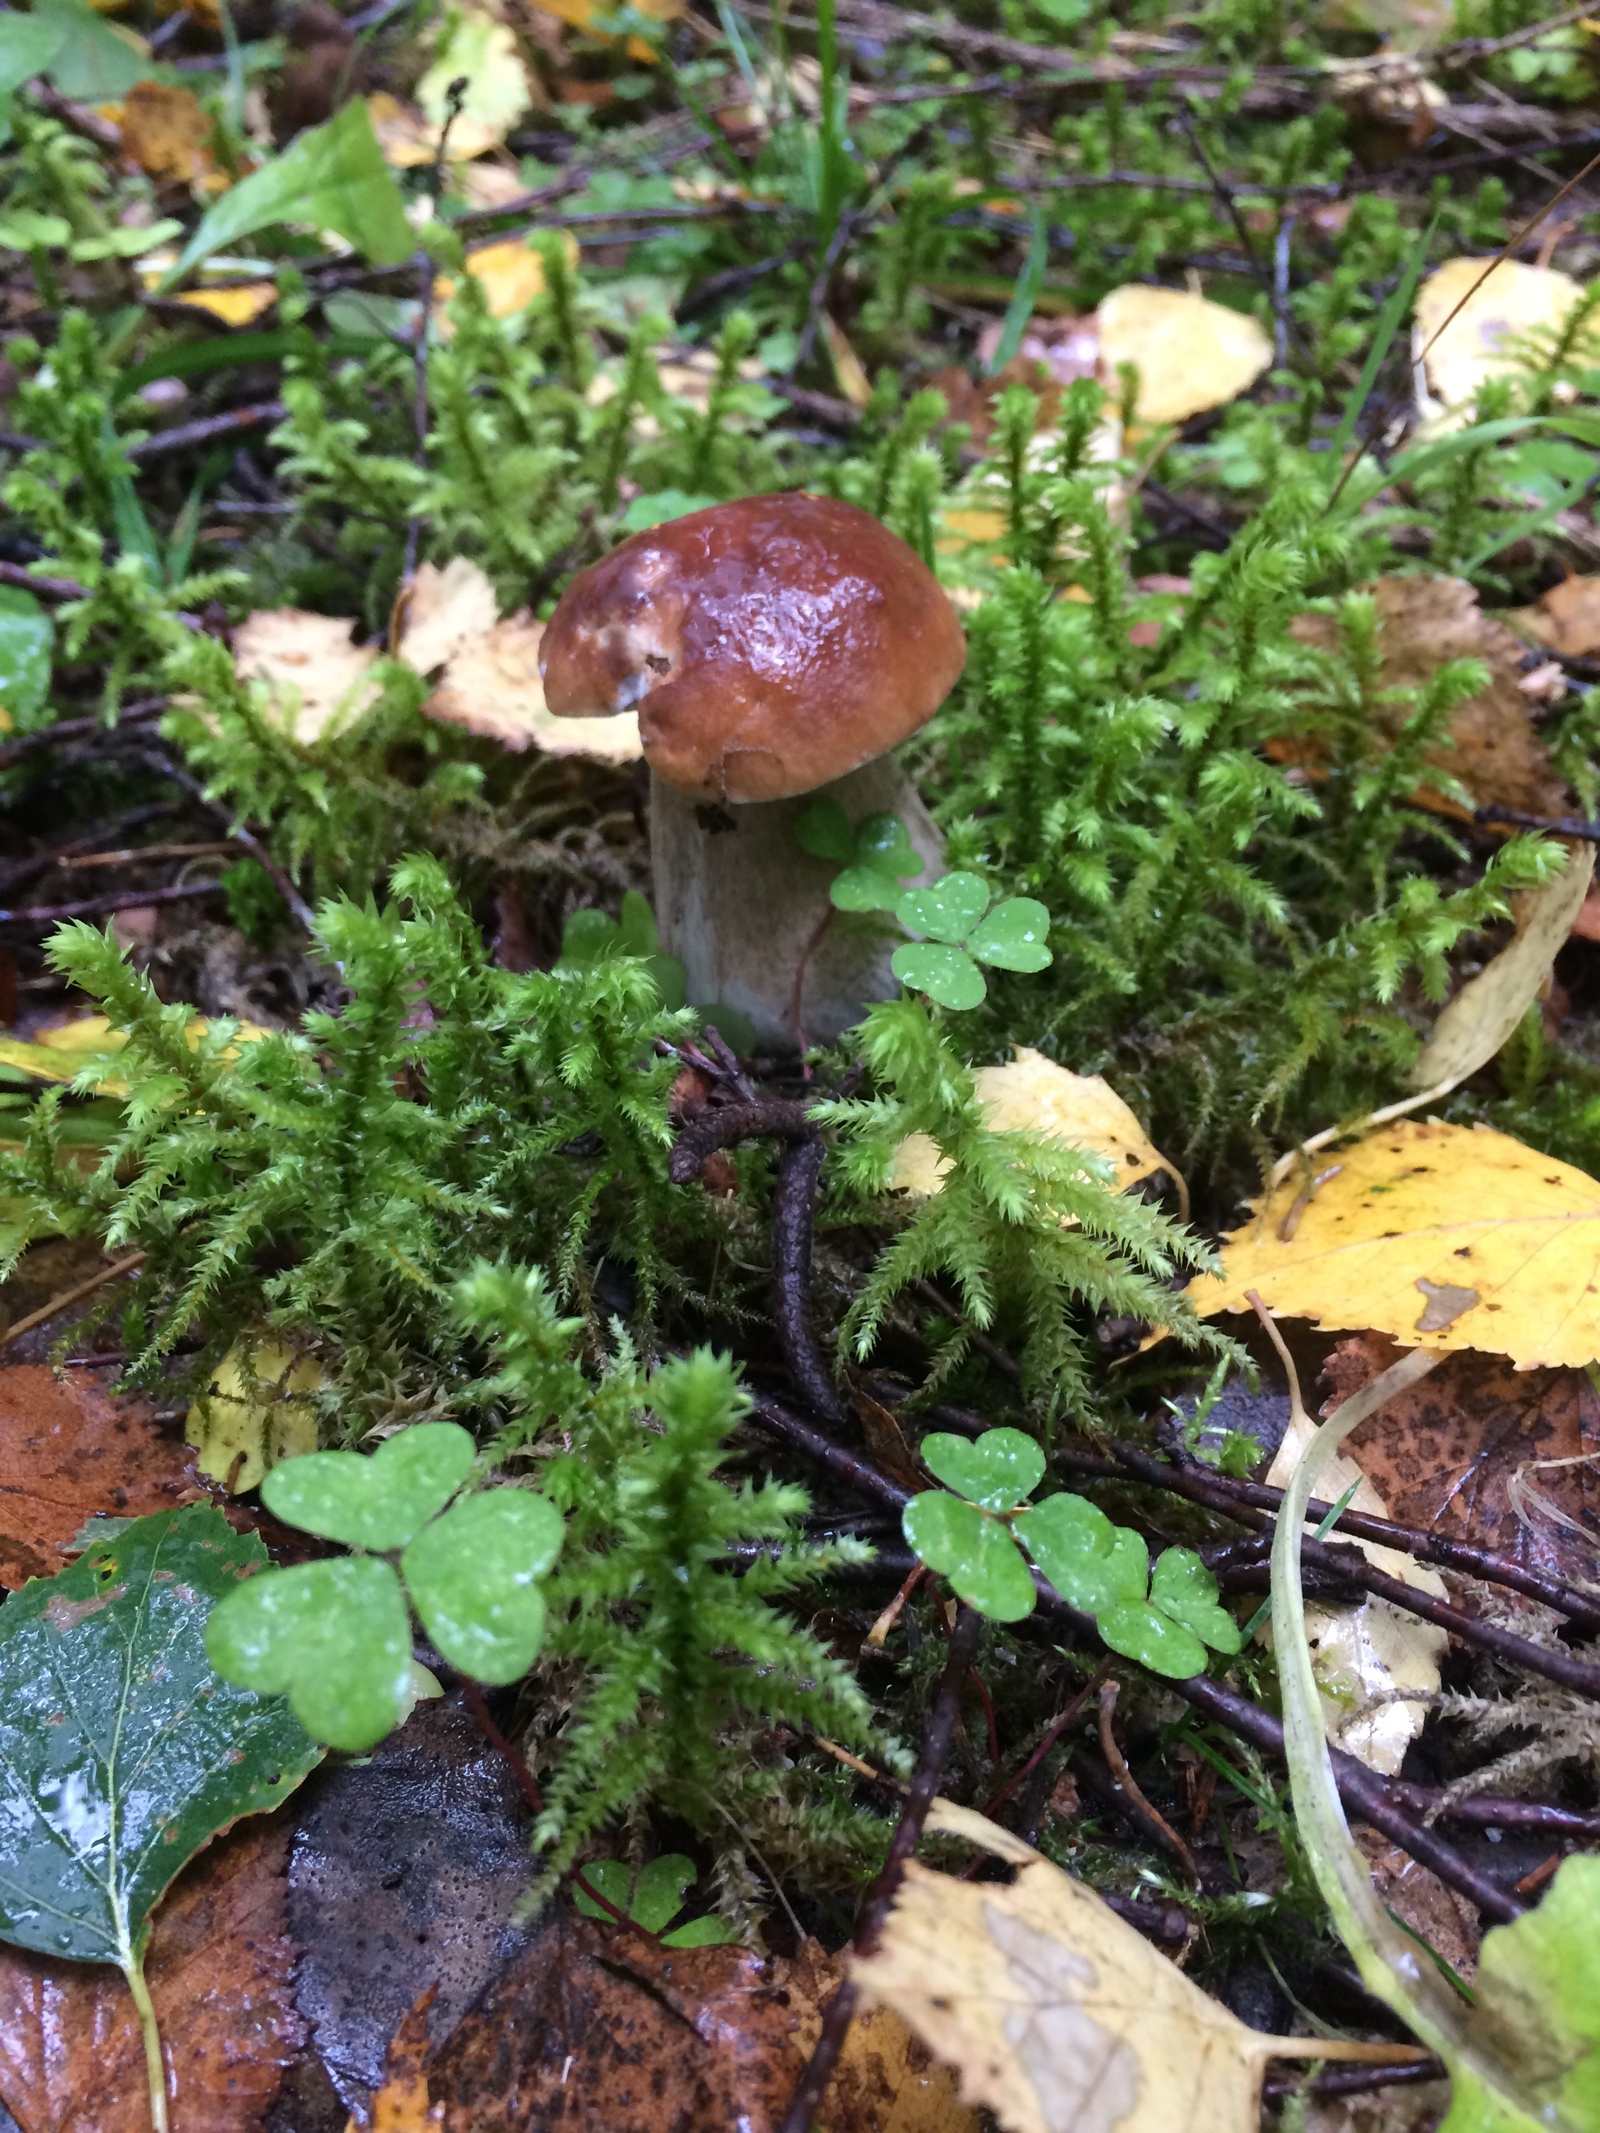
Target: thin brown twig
point(108, 906)
point(69, 1297)
point(1129, 1786)
point(880, 1897)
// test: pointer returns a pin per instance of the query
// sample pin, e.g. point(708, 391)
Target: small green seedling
point(652, 1898)
point(335, 1636)
point(951, 913)
point(876, 856)
point(1164, 1619)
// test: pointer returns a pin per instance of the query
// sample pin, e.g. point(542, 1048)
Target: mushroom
point(774, 649)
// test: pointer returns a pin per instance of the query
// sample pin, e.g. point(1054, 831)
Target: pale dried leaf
point(1191, 354)
point(483, 51)
point(1031, 1094)
point(1489, 1007)
point(1567, 618)
point(1055, 2013)
point(1441, 1236)
point(445, 609)
point(493, 687)
point(1482, 340)
point(316, 678)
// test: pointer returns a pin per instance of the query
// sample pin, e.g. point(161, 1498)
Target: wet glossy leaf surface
point(472, 1577)
point(1182, 1587)
point(1139, 1631)
point(376, 1502)
point(1013, 936)
point(334, 1636)
point(1001, 1469)
point(948, 975)
point(975, 1552)
point(122, 1751)
point(947, 910)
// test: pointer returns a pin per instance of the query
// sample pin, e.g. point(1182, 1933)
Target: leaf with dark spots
point(1445, 1453)
point(221, 1974)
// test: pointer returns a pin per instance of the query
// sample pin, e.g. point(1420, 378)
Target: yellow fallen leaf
point(1056, 2014)
point(962, 528)
point(1441, 1236)
point(316, 678)
point(1481, 341)
point(1191, 354)
point(61, 1053)
point(483, 52)
point(446, 609)
point(167, 132)
point(1483, 1014)
point(253, 1414)
point(493, 687)
point(235, 307)
point(583, 14)
point(848, 374)
point(1031, 1094)
point(510, 272)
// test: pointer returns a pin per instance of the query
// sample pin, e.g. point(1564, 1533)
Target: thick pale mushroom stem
point(746, 910)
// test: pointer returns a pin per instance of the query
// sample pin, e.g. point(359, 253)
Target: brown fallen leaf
point(607, 2033)
point(166, 131)
point(70, 1452)
point(1417, 1896)
point(1445, 1453)
point(1566, 618)
point(1495, 748)
point(1056, 2013)
point(1440, 1236)
point(221, 1974)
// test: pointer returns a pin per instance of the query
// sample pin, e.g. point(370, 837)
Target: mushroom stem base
point(747, 911)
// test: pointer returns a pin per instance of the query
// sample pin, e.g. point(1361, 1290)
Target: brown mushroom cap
point(769, 645)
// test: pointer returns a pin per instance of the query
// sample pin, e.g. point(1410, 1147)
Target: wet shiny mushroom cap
point(768, 645)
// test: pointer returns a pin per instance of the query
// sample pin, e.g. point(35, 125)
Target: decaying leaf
point(1058, 2015)
point(221, 1974)
point(317, 678)
point(254, 1414)
point(1031, 1094)
point(445, 609)
point(606, 2031)
point(1367, 1650)
point(1440, 1236)
point(1566, 618)
point(1191, 354)
point(1485, 337)
point(69, 1452)
point(1446, 1454)
point(1490, 1006)
point(1494, 748)
point(62, 1053)
point(482, 51)
point(166, 131)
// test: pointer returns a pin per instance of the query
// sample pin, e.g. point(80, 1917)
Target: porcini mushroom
point(774, 648)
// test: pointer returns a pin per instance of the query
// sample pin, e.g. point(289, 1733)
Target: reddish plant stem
point(1365, 1793)
point(1128, 1786)
point(879, 1900)
point(990, 1719)
point(1053, 1733)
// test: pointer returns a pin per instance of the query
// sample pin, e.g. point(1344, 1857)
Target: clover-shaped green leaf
point(947, 910)
point(473, 1578)
point(997, 1471)
point(1139, 1631)
point(378, 1502)
point(1012, 937)
point(879, 854)
point(948, 975)
point(651, 1899)
point(974, 1551)
point(1182, 1587)
point(823, 829)
point(1075, 1545)
point(334, 1636)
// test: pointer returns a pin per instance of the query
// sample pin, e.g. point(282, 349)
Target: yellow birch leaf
point(251, 1417)
point(511, 274)
point(1031, 1094)
point(235, 307)
point(61, 1053)
point(1483, 340)
point(1441, 1236)
point(482, 52)
point(1057, 2014)
point(1191, 354)
point(584, 14)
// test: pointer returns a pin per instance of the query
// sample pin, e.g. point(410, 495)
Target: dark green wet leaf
point(974, 1551)
point(998, 1470)
point(473, 1578)
point(1072, 1541)
point(121, 1750)
point(1182, 1586)
point(823, 830)
point(1139, 1631)
point(1013, 936)
point(334, 1636)
point(376, 1502)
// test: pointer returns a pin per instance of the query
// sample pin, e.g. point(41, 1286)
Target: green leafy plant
point(951, 912)
point(124, 1752)
point(875, 856)
point(970, 1533)
point(652, 1896)
point(591, 937)
point(336, 1636)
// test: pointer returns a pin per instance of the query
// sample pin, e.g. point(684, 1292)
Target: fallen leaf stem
point(1128, 1785)
point(1365, 1793)
point(879, 1899)
point(150, 2035)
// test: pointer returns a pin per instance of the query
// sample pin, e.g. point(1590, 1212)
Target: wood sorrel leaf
point(947, 910)
point(947, 975)
point(336, 1636)
point(974, 1551)
point(1182, 1586)
point(998, 1470)
point(121, 1753)
point(1013, 936)
point(1139, 1631)
point(1072, 1541)
point(864, 889)
point(823, 829)
point(472, 1576)
point(883, 844)
point(379, 1502)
